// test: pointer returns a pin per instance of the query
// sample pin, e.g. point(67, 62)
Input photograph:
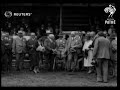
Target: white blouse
point(87, 44)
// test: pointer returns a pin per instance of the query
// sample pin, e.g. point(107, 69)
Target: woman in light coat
point(88, 53)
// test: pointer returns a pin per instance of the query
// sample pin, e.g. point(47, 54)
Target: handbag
point(40, 48)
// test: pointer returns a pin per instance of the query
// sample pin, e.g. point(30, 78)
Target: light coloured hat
point(6, 34)
point(51, 35)
point(20, 32)
point(83, 32)
point(92, 33)
point(73, 33)
point(32, 34)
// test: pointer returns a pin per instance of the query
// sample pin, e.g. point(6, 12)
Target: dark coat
point(113, 50)
point(32, 45)
point(101, 48)
point(19, 45)
point(49, 45)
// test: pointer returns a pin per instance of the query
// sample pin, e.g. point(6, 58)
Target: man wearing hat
point(113, 54)
point(74, 43)
point(31, 48)
point(49, 29)
point(7, 56)
point(50, 46)
point(101, 53)
point(61, 45)
point(19, 49)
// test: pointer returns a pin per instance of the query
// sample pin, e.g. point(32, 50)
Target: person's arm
point(114, 45)
point(68, 42)
point(11, 41)
point(46, 44)
point(95, 48)
point(79, 43)
point(14, 46)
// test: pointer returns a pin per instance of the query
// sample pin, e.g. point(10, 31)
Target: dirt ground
point(53, 79)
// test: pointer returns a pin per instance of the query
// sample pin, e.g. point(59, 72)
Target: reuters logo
point(8, 14)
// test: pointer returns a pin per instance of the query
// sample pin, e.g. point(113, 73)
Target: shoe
point(105, 81)
point(30, 69)
point(17, 69)
point(99, 80)
point(34, 71)
point(90, 71)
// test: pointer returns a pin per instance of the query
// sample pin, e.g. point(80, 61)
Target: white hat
point(83, 32)
point(48, 31)
point(20, 32)
point(51, 35)
point(32, 33)
point(73, 32)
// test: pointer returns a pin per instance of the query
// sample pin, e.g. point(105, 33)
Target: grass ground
point(61, 79)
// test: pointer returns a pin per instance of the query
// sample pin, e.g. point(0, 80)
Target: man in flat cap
point(31, 48)
point(50, 46)
point(19, 49)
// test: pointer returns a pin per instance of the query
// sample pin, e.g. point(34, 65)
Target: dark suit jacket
point(101, 48)
point(2, 48)
point(7, 43)
point(19, 45)
point(113, 50)
point(49, 45)
point(32, 45)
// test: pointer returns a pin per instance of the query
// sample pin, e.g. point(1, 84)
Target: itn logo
point(111, 9)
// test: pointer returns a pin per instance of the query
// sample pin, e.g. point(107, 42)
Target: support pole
point(60, 18)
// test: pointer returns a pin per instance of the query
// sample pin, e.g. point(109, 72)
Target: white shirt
point(87, 44)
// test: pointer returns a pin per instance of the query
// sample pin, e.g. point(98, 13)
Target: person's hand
point(94, 58)
point(13, 53)
point(26, 54)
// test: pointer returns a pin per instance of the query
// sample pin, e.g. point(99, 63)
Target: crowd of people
point(92, 51)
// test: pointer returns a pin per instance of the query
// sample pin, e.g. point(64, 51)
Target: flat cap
point(20, 32)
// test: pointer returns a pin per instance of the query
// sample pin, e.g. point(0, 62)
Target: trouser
point(50, 59)
point(102, 70)
point(20, 60)
point(41, 56)
point(115, 68)
point(7, 61)
point(33, 60)
point(72, 61)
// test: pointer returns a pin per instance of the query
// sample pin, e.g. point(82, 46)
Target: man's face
point(32, 36)
point(21, 29)
point(60, 37)
point(20, 35)
point(52, 38)
point(72, 35)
